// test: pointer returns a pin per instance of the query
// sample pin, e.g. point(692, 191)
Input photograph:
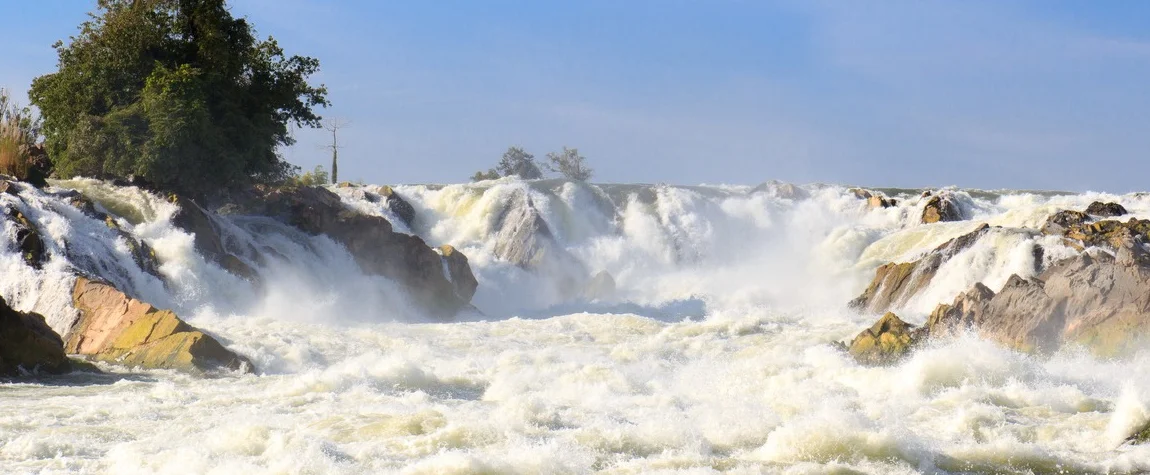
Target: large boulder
point(942, 207)
point(1059, 223)
point(524, 239)
point(1105, 210)
point(874, 199)
point(1093, 299)
point(896, 283)
point(885, 342)
point(459, 271)
point(197, 221)
point(115, 328)
point(398, 205)
point(28, 345)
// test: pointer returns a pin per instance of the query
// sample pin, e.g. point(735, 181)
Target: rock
point(1058, 223)
point(525, 240)
point(1140, 436)
point(875, 202)
point(28, 239)
point(459, 271)
point(1098, 301)
point(398, 205)
point(143, 254)
point(7, 186)
point(1105, 210)
point(198, 221)
point(778, 189)
point(941, 207)
point(115, 328)
point(600, 287)
point(1110, 234)
point(886, 342)
point(28, 345)
point(895, 283)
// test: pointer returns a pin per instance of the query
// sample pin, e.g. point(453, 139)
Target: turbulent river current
point(712, 355)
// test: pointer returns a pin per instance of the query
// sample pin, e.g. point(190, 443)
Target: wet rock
point(941, 207)
point(115, 328)
point(600, 287)
point(778, 189)
point(875, 202)
point(1058, 223)
point(398, 205)
point(1105, 210)
point(28, 345)
point(28, 239)
point(142, 254)
point(7, 186)
point(895, 283)
point(459, 271)
point(197, 221)
point(1094, 300)
point(886, 342)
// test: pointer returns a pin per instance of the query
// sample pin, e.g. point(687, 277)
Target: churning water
point(711, 356)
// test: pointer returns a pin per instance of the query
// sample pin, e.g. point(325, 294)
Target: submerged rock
point(600, 287)
point(28, 345)
point(195, 220)
point(885, 342)
point(1105, 210)
point(895, 283)
point(942, 207)
point(28, 239)
point(115, 328)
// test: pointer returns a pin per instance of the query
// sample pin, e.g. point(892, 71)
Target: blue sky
point(986, 94)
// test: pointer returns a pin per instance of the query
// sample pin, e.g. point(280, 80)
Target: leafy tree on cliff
point(490, 174)
point(175, 91)
point(517, 161)
point(569, 164)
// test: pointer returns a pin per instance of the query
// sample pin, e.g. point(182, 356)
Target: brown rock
point(895, 283)
point(886, 342)
point(459, 271)
point(28, 239)
point(116, 328)
point(1106, 210)
point(28, 345)
point(941, 207)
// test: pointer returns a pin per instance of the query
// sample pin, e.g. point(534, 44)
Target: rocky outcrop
point(600, 287)
point(459, 271)
point(195, 220)
point(115, 328)
point(778, 189)
point(1105, 210)
point(1093, 299)
point(28, 345)
point(28, 239)
point(885, 342)
point(376, 247)
point(398, 205)
point(874, 199)
point(895, 283)
point(1059, 223)
point(942, 207)
point(525, 240)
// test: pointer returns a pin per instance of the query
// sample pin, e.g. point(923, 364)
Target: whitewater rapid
point(711, 356)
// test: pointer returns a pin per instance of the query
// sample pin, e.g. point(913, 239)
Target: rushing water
point(712, 355)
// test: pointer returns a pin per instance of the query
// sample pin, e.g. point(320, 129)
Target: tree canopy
point(517, 161)
point(569, 164)
point(177, 92)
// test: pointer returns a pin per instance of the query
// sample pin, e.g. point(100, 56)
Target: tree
point(490, 174)
point(517, 161)
point(333, 126)
point(177, 92)
point(569, 164)
point(317, 176)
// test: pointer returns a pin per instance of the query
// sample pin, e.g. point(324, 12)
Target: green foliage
point(316, 177)
point(490, 174)
point(569, 164)
point(175, 91)
point(517, 161)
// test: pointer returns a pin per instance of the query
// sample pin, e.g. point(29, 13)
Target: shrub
point(517, 161)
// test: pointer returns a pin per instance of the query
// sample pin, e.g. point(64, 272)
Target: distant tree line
point(568, 163)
